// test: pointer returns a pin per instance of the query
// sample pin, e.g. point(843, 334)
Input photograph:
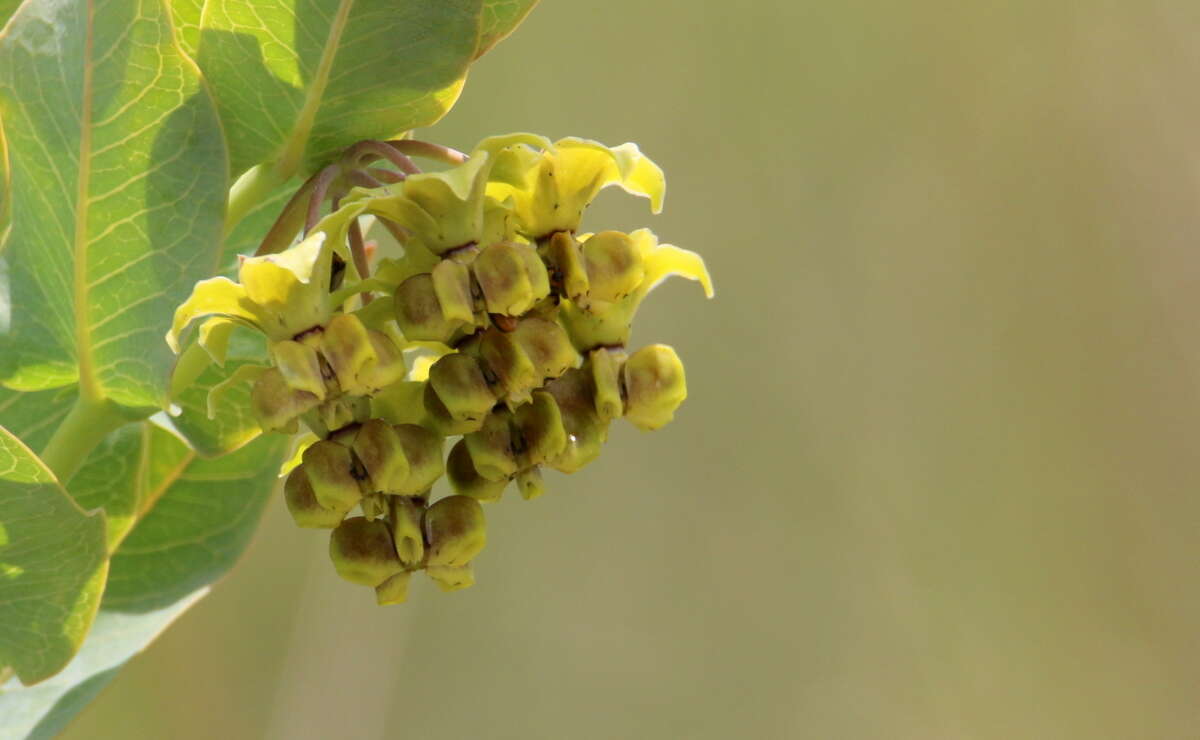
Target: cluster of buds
point(516, 324)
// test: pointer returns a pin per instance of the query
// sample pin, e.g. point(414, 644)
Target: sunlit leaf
point(117, 190)
point(500, 18)
point(299, 80)
point(52, 566)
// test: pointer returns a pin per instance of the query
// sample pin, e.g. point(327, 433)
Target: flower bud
point(300, 365)
point(362, 551)
point(510, 365)
point(440, 418)
point(466, 480)
point(654, 386)
point(378, 448)
point(373, 505)
point(451, 578)
point(531, 483)
point(459, 382)
point(452, 286)
point(331, 472)
point(419, 312)
point(303, 504)
point(586, 431)
point(614, 268)
point(347, 348)
point(276, 405)
point(423, 449)
point(605, 368)
point(491, 447)
point(455, 529)
point(546, 345)
point(404, 515)
point(540, 425)
point(337, 413)
point(394, 590)
point(386, 369)
point(511, 276)
point(565, 261)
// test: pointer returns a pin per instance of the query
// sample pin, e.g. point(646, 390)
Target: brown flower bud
point(423, 450)
point(303, 504)
point(455, 529)
point(362, 551)
point(332, 473)
point(654, 386)
point(378, 448)
point(466, 480)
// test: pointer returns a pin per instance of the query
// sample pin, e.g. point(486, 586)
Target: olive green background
point(937, 477)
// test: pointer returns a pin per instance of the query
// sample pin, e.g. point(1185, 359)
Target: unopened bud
point(362, 551)
point(547, 346)
point(654, 386)
point(378, 448)
point(540, 425)
point(459, 382)
point(331, 472)
point(531, 483)
point(586, 431)
point(419, 312)
point(567, 270)
point(614, 268)
point(394, 590)
point(466, 480)
point(440, 418)
point(452, 286)
point(386, 369)
point(423, 450)
point(511, 276)
point(491, 447)
point(507, 361)
point(455, 529)
point(300, 365)
point(347, 348)
point(303, 504)
point(276, 405)
point(451, 578)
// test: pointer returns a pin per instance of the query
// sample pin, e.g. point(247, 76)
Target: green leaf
point(43, 711)
point(7, 8)
point(186, 15)
point(500, 18)
point(296, 81)
point(198, 528)
point(233, 423)
point(117, 195)
point(34, 416)
point(245, 237)
point(52, 566)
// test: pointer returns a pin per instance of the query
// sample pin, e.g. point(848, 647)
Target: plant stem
point(250, 189)
point(88, 423)
point(428, 150)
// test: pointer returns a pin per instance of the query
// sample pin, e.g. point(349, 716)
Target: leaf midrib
point(89, 388)
point(297, 142)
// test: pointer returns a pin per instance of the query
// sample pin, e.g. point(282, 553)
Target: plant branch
point(87, 424)
point(428, 150)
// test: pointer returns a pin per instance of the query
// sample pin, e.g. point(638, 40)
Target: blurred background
point(937, 476)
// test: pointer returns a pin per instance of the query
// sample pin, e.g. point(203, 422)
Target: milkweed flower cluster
point(516, 324)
